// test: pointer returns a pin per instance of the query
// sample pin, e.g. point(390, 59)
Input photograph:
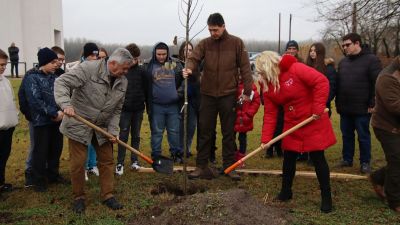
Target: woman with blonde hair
point(302, 91)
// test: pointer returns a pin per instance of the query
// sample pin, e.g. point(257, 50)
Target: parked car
point(252, 60)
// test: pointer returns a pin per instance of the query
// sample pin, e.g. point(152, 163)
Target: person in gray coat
point(94, 90)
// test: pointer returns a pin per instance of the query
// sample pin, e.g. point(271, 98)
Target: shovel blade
point(163, 165)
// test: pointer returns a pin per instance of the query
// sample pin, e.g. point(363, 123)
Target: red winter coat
point(303, 92)
point(245, 113)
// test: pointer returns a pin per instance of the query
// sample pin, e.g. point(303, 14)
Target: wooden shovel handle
point(105, 133)
point(279, 137)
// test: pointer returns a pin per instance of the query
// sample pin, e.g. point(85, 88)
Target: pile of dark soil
point(228, 207)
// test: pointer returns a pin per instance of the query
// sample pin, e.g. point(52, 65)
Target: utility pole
point(354, 19)
point(279, 36)
point(290, 27)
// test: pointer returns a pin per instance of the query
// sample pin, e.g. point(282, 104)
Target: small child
point(245, 111)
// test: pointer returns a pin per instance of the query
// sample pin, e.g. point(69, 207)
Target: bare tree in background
point(188, 14)
point(374, 20)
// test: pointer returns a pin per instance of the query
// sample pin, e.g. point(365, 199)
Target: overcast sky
point(146, 22)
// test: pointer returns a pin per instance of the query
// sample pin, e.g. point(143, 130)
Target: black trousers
point(289, 170)
point(5, 149)
point(46, 153)
point(14, 64)
point(210, 108)
point(389, 176)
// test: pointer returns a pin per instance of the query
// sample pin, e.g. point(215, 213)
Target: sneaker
point(119, 170)
point(365, 168)
point(78, 206)
point(178, 158)
point(86, 176)
point(344, 163)
point(135, 165)
point(112, 203)
point(94, 170)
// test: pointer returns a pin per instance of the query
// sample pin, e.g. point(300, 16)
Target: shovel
point(281, 136)
point(161, 164)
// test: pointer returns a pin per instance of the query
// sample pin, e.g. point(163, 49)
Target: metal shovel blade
point(163, 165)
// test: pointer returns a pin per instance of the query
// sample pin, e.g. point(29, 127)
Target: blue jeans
point(191, 126)
point(165, 117)
point(360, 123)
point(32, 143)
point(91, 159)
point(129, 122)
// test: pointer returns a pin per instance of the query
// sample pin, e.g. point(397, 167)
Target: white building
point(31, 25)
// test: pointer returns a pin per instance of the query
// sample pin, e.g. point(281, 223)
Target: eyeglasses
point(347, 45)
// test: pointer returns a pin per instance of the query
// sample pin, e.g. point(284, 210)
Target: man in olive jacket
point(94, 90)
point(225, 58)
point(386, 123)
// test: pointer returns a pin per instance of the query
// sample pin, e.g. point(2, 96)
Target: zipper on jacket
point(219, 47)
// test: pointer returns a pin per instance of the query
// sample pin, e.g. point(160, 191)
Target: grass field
point(354, 201)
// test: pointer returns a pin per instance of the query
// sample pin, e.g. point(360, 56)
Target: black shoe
point(59, 180)
point(344, 163)
point(178, 158)
point(284, 196)
point(326, 202)
point(365, 168)
point(40, 188)
point(78, 206)
point(28, 179)
point(6, 188)
point(112, 204)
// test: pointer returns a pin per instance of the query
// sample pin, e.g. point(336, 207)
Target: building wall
point(31, 25)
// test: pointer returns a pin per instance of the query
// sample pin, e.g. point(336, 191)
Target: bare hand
point(69, 111)
point(59, 117)
point(371, 110)
point(114, 139)
point(186, 72)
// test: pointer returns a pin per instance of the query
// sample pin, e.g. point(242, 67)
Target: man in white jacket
point(8, 121)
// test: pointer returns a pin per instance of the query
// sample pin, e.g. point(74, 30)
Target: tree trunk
point(386, 47)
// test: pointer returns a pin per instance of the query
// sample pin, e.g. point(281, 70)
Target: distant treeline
point(73, 47)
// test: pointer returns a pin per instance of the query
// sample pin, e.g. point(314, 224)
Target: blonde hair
point(267, 65)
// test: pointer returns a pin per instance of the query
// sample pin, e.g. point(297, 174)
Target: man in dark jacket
point(225, 57)
point(14, 58)
point(132, 111)
point(164, 76)
point(386, 123)
point(355, 98)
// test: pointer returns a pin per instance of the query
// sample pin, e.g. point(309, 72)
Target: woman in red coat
point(245, 111)
point(302, 91)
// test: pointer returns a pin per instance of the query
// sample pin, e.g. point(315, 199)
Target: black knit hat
point(45, 56)
point(292, 43)
point(90, 49)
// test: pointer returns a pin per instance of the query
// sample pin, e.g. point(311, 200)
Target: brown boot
point(379, 190)
point(196, 173)
point(234, 175)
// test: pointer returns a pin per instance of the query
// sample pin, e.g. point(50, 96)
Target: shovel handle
point(105, 133)
point(279, 137)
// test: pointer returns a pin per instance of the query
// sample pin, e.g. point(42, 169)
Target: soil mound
point(228, 207)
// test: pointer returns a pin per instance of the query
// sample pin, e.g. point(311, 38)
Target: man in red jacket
point(224, 57)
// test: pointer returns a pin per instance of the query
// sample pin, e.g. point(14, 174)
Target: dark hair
point(353, 37)
point(58, 50)
point(182, 50)
point(133, 49)
point(3, 55)
point(103, 50)
point(319, 62)
point(215, 19)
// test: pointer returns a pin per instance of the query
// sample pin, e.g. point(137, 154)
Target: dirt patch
point(177, 190)
point(234, 206)
point(6, 218)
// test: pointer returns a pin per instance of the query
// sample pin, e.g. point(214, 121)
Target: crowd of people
point(113, 91)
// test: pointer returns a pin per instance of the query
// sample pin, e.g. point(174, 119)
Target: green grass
point(354, 201)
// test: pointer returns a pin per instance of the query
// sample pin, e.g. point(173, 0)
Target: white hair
point(121, 56)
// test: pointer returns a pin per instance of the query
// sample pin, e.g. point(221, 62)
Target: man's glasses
point(346, 45)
